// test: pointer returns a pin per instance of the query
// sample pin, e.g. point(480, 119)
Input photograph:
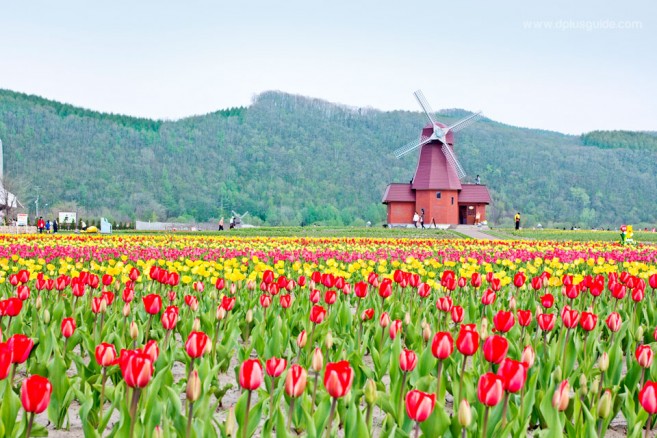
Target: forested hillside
point(290, 160)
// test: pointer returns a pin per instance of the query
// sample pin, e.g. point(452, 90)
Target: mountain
point(290, 159)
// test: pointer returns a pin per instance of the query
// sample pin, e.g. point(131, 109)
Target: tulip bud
point(595, 385)
point(208, 348)
point(103, 306)
point(134, 330)
point(318, 360)
point(157, 432)
point(221, 313)
point(512, 304)
point(407, 319)
point(193, 386)
point(126, 310)
point(465, 413)
point(528, 356)
point(603, 362)
point(196, 325)
point(370, 392)
point(328, 340)
point(46, 317)
point(231, 422)
point(249, 316)
point(38, 302)
point(639, 333)
point(426, 333)
point(561, 396)
point(484, 329)
point(583, 387)
point(605, 404)
point(302, 339)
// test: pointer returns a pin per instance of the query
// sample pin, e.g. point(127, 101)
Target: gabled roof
point(399, 192)
point(8, 198)
point(474, 194)
point(433, 171)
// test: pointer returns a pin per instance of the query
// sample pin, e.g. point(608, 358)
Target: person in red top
point(41, 224)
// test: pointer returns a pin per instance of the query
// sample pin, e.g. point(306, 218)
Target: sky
point(568, 66)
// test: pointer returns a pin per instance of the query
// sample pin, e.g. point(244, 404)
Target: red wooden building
point(436, 186)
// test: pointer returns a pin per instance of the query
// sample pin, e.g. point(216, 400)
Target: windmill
point(238, 218)
point(436, 191)
point(439, 135)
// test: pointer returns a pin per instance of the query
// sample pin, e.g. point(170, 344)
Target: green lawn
point(573, 235)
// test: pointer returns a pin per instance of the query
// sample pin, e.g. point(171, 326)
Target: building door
point(463, 214)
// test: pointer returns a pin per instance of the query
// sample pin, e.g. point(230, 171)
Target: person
point(55, 226)
point(477, 180)
point(232, 223)
point(517, 219)
point(221, 224)
point(41, 224)
point(477, 217)
point(48, 226)
point(422, 219)
point(416, 218)
point(83, 225)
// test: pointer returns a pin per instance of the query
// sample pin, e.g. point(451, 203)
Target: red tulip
point(93, 281)
point(328, 280)
point(170, 317)
point(360, 289)
point(407, 360)
point(21, 346)
point(588, 321)
point(128, 295)
point(638, 294)
point(644, 355)
point(219, 284)
point(444, 304)
point(330, 296)
point(618, 291)
point(457, 314)
point(537, 283)
point(317, 314)
point(475, 280)
point(107, 280)
point(35, 394)
point(23, 292)
point(268, 276)
point(547, 301)
point(570, 318)
point(11, 307)
point(314, 296)
point(196, 344)
point(134, 274)
point(250, 374)
point(152, 303)
point(23, 276)
point(105, 354)
point(424, 290)
point(488, 298)
point(302, 339)
point(5, 360)
point(546, 321)
point(302, 280)
point(265, 300)
point(13, 279)
point(524, 317)
point(339, 283)
point(227, 303)
point(648, 397)
point(68, 327)
point(561, 396)
point(285, 300)
point(385, 289)
point(495, 348)
point(419, 405)
point(495, 284)
point(490, 389)
point(136, 367)
point(652, 281)
point(503, 321)
point(463, 282)
point(519, 279)
point(614, 321)
point(384, 320)
point(373, 279)
point(295, 381)
point(191, 301)
point(514, 375)
point(395, 328)
point(108, 297)
point(442, 345)
point(338, 377)
point(275, 366)
point(467, 342)
point(152, 350)
point(571, 291)
point(367, 314)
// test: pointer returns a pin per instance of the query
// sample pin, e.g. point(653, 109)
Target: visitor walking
point(221, 224)
point(422, 219)
point(41, 224)
point(416, 219)
point(55, 226)
point(48, 226)
point(517, 219)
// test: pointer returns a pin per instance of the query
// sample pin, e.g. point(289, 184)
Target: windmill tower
point(437, 188)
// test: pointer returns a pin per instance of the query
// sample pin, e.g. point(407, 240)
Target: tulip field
point(181, 335)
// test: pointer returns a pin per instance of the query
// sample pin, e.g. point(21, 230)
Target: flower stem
point(136, 392)
point(563, 359)
point(245, 426)
point(417, 429)
point(506, 407)
point(400, 412)
point(189, 420)
point(465, 359)
point(332, 414)
point(289, 414)
point(102, 394)
point(649, 426)
point(30, 422)
point(148, 328)
point(485, 422)
point(368, 418)
point(440, 373)
point(312, 405)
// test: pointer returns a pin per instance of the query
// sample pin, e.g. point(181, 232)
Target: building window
point(438, 195)
point(452, 200)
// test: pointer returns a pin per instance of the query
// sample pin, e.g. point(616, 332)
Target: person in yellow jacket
point(517, 219)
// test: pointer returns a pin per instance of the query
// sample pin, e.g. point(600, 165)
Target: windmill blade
point(411, 146)
point(245, 214)
point(462, 124)
point(451, 158)
point(425, 106)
